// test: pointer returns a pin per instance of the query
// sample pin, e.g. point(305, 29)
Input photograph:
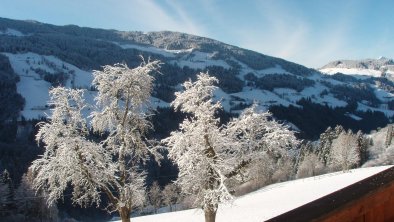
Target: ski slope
point(272, 200)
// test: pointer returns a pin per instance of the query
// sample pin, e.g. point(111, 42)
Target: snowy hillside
point(33, 86)
point(45, 55)
point(273, 200)
point(353, 71)
point(35, 72)
point(32, 69)
point(382, 67)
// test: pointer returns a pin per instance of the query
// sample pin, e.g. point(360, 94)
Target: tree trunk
point(210, 215)
point(124, 214)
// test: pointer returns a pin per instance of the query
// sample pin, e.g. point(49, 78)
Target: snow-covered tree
point(208, 154)
point(389, 136)
point(155, 196)
point(255, 134)
point(198, 146)
point(171, 195)
point(285, 169)
point(112, 166)
point(262, 170)
point(344, 154)
point(69, 156)
point(362, 146)
point(310, 166)
point(326, 140)
point(260, 149)
point(123, 97)
point(386, 157)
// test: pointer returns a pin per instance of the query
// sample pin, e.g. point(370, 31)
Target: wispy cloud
point(289, 33)
point(185, 19)
point(278, 28)
point(307, 32)
point(151, 15)
point(280, 33)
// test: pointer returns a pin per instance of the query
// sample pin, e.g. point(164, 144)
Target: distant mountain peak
point(382, 63)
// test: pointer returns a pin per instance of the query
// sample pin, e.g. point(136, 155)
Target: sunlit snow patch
point(32, 85)
point(273, 200)
point(353, 72)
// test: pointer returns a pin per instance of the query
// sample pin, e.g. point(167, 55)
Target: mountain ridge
point(162, 39)
point(44, 55)
point(361, 63)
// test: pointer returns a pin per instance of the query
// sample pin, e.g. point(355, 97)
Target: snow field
point(355, 72)
point(192, 59)
point(143, 48)
point(34, 89)
point(199, 60)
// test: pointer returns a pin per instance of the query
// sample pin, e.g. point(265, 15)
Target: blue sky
point(309, 32)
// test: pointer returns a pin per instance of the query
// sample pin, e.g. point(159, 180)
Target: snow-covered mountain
point(43, 56)
point(381, 67)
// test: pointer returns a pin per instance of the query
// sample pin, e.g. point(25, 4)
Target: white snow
point(147, 48)
point(81, 78)
point(156, 102)
point(200, 60)
point(289, 95)
point(264, 97)
point(390, 72)
point(12, 32)
point(273, 200)
point(245, 69)
point(190, 57)
point(285, 97)
point(331, 101)
point(274, 70)
point(353, 71)
point(223, 97)
point(381, 152)
point(383, 95)
point(155, 50)
point(179, 51)
point(23, 65)
point(32, 86)
point(314, 90)
point(36, 96)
